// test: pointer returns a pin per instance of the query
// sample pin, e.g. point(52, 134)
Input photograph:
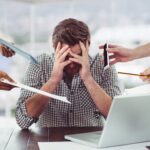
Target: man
point(72, 73)
point(7, 53)
point(122, 54)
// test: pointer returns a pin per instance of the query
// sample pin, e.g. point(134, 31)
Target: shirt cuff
point(24, 111)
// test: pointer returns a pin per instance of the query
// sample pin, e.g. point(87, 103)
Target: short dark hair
point(70, 31)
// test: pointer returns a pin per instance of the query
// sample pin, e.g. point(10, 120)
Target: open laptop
point(128, 122)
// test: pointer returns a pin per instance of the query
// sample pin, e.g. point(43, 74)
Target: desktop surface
point(17, 139)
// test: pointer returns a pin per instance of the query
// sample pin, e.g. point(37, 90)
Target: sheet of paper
point(61, 98)
point(75, 146)
point(19, 51)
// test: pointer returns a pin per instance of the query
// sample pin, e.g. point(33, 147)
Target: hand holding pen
point(145, 76)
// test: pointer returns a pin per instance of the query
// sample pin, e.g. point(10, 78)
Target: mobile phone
point(106, 57)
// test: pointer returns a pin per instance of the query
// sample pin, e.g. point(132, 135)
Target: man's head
point(71, 31)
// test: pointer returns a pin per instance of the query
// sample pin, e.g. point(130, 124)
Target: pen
point(132, 74)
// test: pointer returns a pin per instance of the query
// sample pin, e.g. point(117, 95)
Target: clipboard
point(19, 51)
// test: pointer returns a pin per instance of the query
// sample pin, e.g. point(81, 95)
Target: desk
point(17, 139)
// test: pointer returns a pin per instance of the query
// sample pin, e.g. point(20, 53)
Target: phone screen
point(106, 57)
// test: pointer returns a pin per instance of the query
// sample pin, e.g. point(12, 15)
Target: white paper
point(75, 146)
point(61, 98)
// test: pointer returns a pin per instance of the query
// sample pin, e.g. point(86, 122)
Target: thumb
point(9, 79)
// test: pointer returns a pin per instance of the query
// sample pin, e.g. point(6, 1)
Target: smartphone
point(106, 57)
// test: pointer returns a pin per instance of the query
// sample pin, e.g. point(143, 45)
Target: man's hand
point(60, 63)
point(5, 51)
point(4, 86)
point(83, 61)
point(120, 54)
point(146, 74)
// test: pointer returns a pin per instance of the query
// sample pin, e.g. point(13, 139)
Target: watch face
point(106, 57)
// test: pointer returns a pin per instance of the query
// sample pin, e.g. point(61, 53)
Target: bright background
point(29, 24)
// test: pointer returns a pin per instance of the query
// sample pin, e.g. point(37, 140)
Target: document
point(75, 146)
point(61, 98)
point(19, 51)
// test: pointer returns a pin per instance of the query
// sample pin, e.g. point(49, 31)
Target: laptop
point(128, 122)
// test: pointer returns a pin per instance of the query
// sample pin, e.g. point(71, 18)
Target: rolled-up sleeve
point(32, 79)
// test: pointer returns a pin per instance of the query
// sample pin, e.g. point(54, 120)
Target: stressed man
point(69, 72)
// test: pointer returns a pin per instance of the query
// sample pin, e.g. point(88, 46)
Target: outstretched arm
point(122, 54)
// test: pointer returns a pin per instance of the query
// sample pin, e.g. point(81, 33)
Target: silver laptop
point(128, 122)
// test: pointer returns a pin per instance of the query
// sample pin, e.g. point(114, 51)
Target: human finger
point(58, 47)
point(76, 60)
point(65, 63)
point(109, 46)
point(61, 51)
point(74, 55)
point(83, 48)
point(64, 55)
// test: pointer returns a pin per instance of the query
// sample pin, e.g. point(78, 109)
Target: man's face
point(73, 67)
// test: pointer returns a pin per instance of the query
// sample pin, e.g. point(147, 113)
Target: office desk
point(17, 139)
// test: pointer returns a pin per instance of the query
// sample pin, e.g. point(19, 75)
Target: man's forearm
point(36, 104)
point(142, 51)
point(101, 99)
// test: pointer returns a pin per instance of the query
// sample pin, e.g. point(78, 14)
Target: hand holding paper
point(4, 86)
point(61, 98)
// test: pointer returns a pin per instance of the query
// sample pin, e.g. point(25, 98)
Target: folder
point(19, 51)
